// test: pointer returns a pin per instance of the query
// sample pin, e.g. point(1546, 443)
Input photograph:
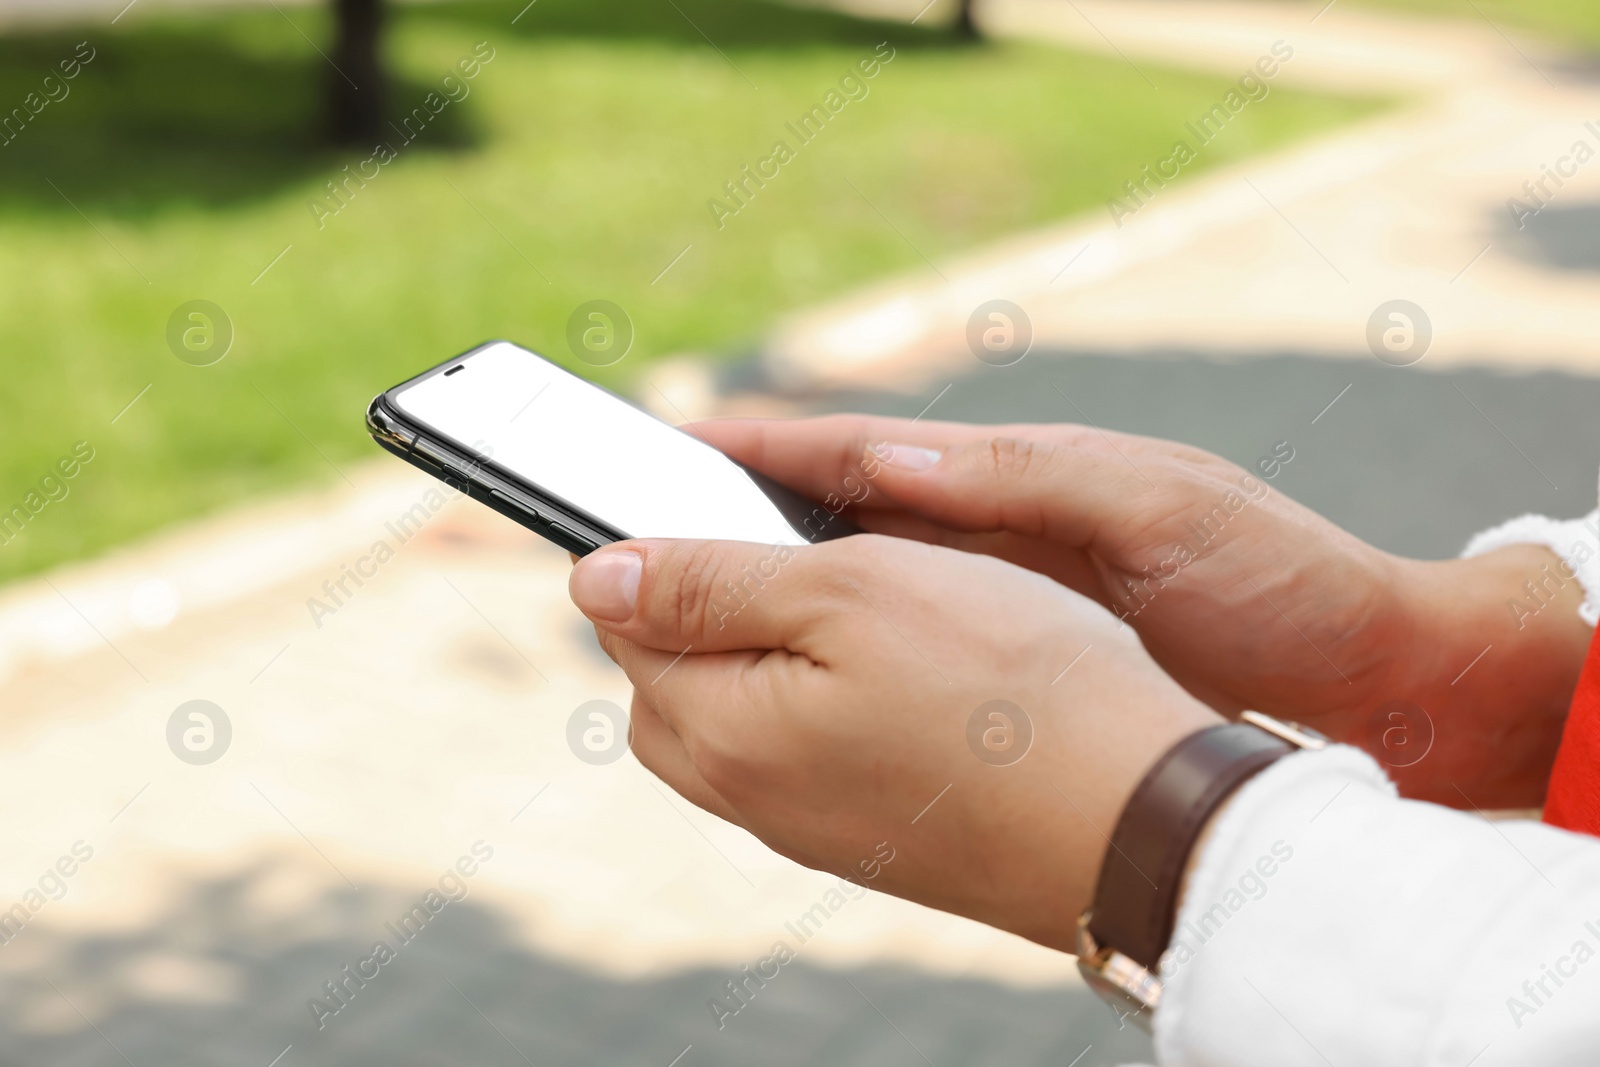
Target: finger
point(816, 454)
point(872, 462)
point(708, 595)
point(686, 676)
point(820, 456)
point(1071, 568)
point(1063, 491)
point(662, 752)
point(707, 698)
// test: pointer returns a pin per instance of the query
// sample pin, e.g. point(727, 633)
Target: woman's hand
point(1247, 598)
point(836, 701)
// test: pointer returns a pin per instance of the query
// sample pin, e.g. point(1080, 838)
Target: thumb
point(1061, 491)
point(714, 596)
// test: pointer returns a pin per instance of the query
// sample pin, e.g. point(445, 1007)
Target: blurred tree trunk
point(359, 90)
point(964, 25)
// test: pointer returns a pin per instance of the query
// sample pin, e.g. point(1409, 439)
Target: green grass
point(578, 167)
point(1573, 22)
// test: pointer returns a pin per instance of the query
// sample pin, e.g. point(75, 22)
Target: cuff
point(1328, 922)
point(1576, 541)
point(1235, 870)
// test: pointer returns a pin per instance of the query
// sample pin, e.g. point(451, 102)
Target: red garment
point(1573, 802)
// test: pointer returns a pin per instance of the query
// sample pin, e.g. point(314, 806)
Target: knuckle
point(741, 756)
point(878, 554)
point(876, 572)
point(689, 592)
point(851, 562)
point(609, 643)
point(1010, 458)
point(728, 761)
point(719, 766)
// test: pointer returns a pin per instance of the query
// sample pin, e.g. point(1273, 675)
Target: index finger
point(818, 456)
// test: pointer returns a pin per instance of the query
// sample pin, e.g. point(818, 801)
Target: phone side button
point(515, 510)
point(569, 540)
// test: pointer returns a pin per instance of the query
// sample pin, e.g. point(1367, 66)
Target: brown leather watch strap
point(1135, 900)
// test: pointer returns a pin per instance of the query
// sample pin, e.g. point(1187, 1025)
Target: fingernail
point(605, 585)
point(907, 457)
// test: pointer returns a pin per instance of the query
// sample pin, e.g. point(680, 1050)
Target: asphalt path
point(1412, 460)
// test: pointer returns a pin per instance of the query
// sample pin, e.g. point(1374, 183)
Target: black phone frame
point(559, 521)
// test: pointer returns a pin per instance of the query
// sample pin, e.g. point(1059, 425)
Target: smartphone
point(578, 464)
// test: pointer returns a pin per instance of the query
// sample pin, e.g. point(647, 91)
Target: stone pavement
point(429, 711)
point(426, 717)
point(1293, 251)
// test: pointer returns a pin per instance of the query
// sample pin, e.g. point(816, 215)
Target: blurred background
point(1365, 230)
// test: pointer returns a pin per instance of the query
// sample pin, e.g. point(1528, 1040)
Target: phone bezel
point(550, 516)
point(465, 470)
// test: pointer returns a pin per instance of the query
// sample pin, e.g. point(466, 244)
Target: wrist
point(1491, 653)
point(1124, 937)
point(1057, 872)
point(1520, 602)
point(1520, 597)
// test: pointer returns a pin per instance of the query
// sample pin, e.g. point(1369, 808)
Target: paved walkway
point(429, 711)
point(1293, 251)
point(426, 713)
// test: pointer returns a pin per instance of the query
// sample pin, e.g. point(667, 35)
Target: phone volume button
point(524, 514)
point(570, 541)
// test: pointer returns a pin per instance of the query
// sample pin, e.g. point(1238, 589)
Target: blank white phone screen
point(594, 451)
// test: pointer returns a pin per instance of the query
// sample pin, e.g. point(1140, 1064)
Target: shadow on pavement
point(746, 26)
point(211, 109)
point(1411, 460)
point(224, 978)
point(1563, 236)
point(224, 107)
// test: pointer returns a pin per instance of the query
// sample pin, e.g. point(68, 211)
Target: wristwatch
point(1127, 927)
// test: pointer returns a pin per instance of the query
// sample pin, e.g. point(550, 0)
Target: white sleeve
point(1329, 922)
point(1576, 541)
